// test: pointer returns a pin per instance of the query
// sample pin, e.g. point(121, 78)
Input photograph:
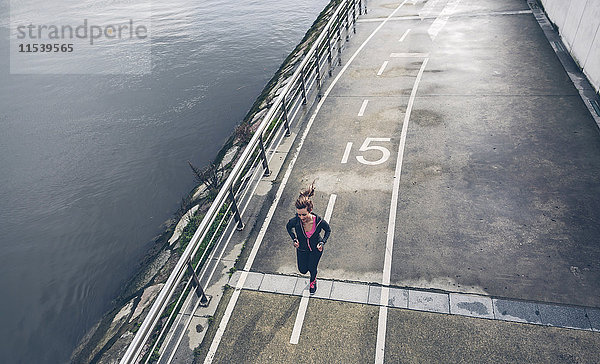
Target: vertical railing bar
point(303, 84)
point(339, 43)
point(296, 105)
point(354, 17)
point(346, 21)
point(264, 156)
point(286, 122)
point(329, 51)
point(236, 211)
point(196, 280)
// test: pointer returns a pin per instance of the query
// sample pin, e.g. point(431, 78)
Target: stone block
point(253, 280)
point(323, 289)
point(350, 292)
point(276, 283)
point(594, 317)
point(398, 298)
point(428, 301)
point(516, 311)
point(564, 316)
point(471, 305)
point(301, 285)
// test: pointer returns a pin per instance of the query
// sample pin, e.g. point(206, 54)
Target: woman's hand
point(320, 247)
point(296, 243)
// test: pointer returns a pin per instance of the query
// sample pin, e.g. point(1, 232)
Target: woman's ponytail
point(303, 201)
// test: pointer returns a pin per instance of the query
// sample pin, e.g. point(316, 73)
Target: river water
point(91, 165)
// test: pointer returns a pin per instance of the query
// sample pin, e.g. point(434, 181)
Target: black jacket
point(306, 244)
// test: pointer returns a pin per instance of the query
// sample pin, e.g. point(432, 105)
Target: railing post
point(286, 122)
point(303, 84)
point(236, 211)
point(347, 23)
point(359, 7)
point(339, 44)
point(329, 56)
point(318, 73)
point(264, 157)
point(199, 290)
point(353, 17)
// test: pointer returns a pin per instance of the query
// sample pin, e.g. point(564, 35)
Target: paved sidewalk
point(454, 303)
point(462, 169)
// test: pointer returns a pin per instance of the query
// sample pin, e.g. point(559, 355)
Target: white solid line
point(361, 112)
point(305, 294)
point(381, 331)
point(409, 55)
point(347, 153)
point(404, 35)
point(300, 318)
point(389, 245)
point(232, 302)
point(383, 66)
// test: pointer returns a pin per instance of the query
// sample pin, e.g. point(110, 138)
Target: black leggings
point(308, 261)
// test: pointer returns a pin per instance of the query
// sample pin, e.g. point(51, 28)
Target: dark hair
point(303, 201)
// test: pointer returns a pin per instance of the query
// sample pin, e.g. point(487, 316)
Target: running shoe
point(313, 286)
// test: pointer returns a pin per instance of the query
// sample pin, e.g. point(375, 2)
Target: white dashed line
point(383, 66)
point(361, 112)
point(347, 153)
point(404, 35)
point(329, 210)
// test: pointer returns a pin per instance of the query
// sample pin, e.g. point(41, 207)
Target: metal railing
point(307, 78)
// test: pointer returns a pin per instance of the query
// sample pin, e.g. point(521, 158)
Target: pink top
point(312, 231)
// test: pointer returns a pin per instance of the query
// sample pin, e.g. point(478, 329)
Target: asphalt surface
point(499, 194)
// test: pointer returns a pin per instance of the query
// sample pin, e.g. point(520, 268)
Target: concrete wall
point(578, 23)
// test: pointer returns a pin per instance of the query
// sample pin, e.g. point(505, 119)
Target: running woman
point(305, 231)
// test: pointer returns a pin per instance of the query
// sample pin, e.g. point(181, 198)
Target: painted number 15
point(366, 146)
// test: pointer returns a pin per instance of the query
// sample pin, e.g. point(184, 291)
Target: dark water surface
point(92, 165)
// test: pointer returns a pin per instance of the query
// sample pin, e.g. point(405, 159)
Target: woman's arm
point(325, 226)
point(290, 228)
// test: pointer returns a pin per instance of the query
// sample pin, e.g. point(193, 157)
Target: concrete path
point(462, 160)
